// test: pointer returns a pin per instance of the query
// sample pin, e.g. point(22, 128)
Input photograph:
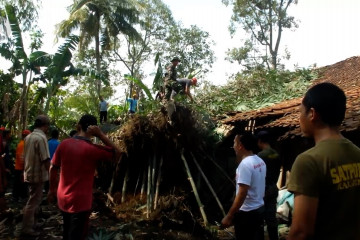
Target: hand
point(51, 197)
point(94, 130)
point(226, 222)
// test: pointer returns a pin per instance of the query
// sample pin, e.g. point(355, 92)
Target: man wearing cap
point(19, 190)
point(171, 77)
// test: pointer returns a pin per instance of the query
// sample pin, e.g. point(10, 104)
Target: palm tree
point(102, 21)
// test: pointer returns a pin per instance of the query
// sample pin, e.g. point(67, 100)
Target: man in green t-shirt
point(325, 178)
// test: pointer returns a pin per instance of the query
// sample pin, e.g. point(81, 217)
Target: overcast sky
point(328, 30)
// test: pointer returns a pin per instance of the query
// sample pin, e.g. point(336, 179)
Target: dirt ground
point(122, 222)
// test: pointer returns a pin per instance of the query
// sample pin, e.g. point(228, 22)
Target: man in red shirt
point(75, 159)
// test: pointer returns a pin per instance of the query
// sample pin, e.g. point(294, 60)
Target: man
point(133, 103)
point(273, 164)
point(36, 171)
point(76, 160)
point(103, 105)
point(325, 179)
point(53, 144)
point(19, 190)
point(246, 212)
point(183, 85)
point(171, 77)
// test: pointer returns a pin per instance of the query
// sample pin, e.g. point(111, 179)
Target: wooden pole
point(148, 189)
point(124, 185)
point(209, 185)
point(201, 206)
point(158, 183)
point(143, 184)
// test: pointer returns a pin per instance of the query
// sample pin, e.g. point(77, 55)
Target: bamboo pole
point(209, 185)
point(201, 206)
point(158, 183)
point(137, 183)
point(220, 168)
point(124, 185)
point(152, 192)
point(148, 190)
point(143, 184)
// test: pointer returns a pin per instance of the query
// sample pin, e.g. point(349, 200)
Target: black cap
point(175, 59)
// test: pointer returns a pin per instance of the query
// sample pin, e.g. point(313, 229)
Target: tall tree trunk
point(23, 108)
point(97, 55)
point(49, 93)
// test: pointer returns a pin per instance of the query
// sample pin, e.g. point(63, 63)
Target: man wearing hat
point(171, 77)
point(19, 190)
point(175, 85)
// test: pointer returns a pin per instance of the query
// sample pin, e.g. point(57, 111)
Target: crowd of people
point(325, 179)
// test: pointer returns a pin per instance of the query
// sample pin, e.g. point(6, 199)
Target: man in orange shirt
point(19, 190)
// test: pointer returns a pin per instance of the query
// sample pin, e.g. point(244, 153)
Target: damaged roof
point(345, 74)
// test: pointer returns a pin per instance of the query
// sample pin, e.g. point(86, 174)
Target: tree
point(155, 22)
point(99, 20)
point(193, 46)
point(23, 64)
point(265, 21)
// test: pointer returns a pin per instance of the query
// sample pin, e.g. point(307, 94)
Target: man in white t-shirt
point(247, 210)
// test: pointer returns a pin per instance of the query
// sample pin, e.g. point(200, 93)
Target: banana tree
point(22, 64)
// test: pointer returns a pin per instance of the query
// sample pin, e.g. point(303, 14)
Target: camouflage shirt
point(172, 72)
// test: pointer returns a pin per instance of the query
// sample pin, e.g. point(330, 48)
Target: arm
point(303, 224)
point(187, 92)
point(53, 183)
point(95, 131)
point(238, 202)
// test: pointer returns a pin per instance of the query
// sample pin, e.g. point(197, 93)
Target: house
point(282, 119)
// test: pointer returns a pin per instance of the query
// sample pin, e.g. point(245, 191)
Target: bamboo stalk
point(152, 192)
point(209, 185)
point(148, 190)
point(137, 183)
point(158, 183)
point(143, 185)
point(124, 185)
point(221, 169)
point(201, 206)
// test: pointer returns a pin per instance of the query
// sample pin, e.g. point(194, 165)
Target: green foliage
point(193, 46)
point(102, 235)
point(255, 90)
point(141, 85)
point(264, 21)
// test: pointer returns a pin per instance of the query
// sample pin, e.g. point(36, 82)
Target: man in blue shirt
point(133, 103)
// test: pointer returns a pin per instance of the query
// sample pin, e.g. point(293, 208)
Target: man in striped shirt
point(36, 171)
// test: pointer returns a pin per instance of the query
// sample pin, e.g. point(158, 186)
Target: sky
point(328, 31)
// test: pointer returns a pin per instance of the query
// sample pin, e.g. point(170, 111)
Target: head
point(244, 144)
point(72, 133)
point(101, 98)
point(194, 81)
point(55, 134)
point(86, 121)
point(175, 61)
point(6, 134)
point(263, 139)
point(135, 96)
point(324, 105)
point(25, 133)
point(42, 122)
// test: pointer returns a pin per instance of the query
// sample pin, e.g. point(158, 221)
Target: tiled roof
point(345, 74)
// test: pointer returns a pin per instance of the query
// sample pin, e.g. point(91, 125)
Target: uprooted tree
point(160, 154)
